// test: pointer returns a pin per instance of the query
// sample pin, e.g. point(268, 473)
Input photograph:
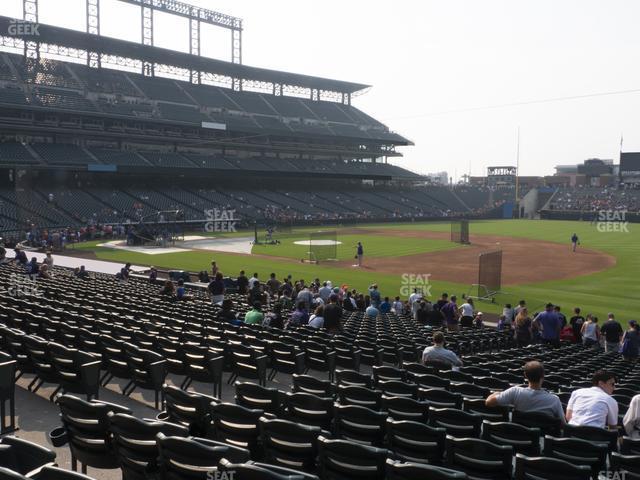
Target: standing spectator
point(612, 332)
point(332, 315)
point(253, 280)
point(594, 406)
point(254, 315)
point(397, 306)
point(422, 315)
point(214, 269)
point(576, 323)
point(450, 313)
point(631, 342)
point(385, 306)
point(414, 301)
point(123, 274)
point(466, 313)
point(437, 352)
point(305, 297)
point(523, 334)
point(242, 282)
point(374, 294)
point(509, 316)
point(273, 285)
point(255, 294)
point(531, 398)
point(521, 304)
point(561, 317)
point(371, 312)
point(153, 275)
point(216, 288)
point(589, 332)
point(325, 291)
point(444, 299)
point(549, 325)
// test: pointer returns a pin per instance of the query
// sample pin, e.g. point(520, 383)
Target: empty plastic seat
point(456, 422)
point(235, 425)
point(344, 460)
point(419, 471)
point(289, 444)
point(251, 395)
point(577, 452)
point(360, 424)
point(186, 408)
point(309, 384)
point(403, 408)
point(416, 442)
point(478, 458)
point(543, 468)
point(23, 456)
point(523, 440)
point(360, 396)
point(353, 378)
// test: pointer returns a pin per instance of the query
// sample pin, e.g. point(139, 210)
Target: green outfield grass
point(615, 289)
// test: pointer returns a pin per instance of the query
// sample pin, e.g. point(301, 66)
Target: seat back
point(312, 385)
point(344, 459)
point(523, 439)
point(87, 427)
point(577, 452)
point(543, 468)
point(289, 444)
point(187, 408)
point(134, 442)
point(360, 424)
point(254, 396)
point(479, 458)
point(235, 424)
point(457, 423)
point(420, 471)
point(416, 442)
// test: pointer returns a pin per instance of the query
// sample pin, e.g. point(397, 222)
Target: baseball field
point(538, 262)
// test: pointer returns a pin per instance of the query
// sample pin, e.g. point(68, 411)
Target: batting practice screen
point(460, 231)
point(323, 245)
point(490, 271)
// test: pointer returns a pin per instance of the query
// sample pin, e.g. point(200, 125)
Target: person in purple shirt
point(549, 324)
point(450, 313)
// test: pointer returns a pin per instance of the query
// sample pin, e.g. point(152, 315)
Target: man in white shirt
point(595, 406)
point(253, 280)
point(466, 313)
point(397, 306)
point(414, 302)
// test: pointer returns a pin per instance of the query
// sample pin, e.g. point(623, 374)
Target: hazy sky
point(434, 63)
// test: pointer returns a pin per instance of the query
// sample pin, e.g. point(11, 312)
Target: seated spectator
point(203, 276)
point(81, 273)
point(181, 291)
point(168, 290)
point(631, 420)
point(20, 256)
point(299, 316)
point(478, 321)
point(274, 319)
point(227, 314)
point(594, 406)
point(531, 398)
point(438, 353)
point(254, 315)
point(32, 267)
point(123, 274)
point(44, 271)
point(317, 319)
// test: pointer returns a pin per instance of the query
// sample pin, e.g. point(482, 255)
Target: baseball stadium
point(210, 270)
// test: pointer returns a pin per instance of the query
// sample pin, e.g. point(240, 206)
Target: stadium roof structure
point(73, 39)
